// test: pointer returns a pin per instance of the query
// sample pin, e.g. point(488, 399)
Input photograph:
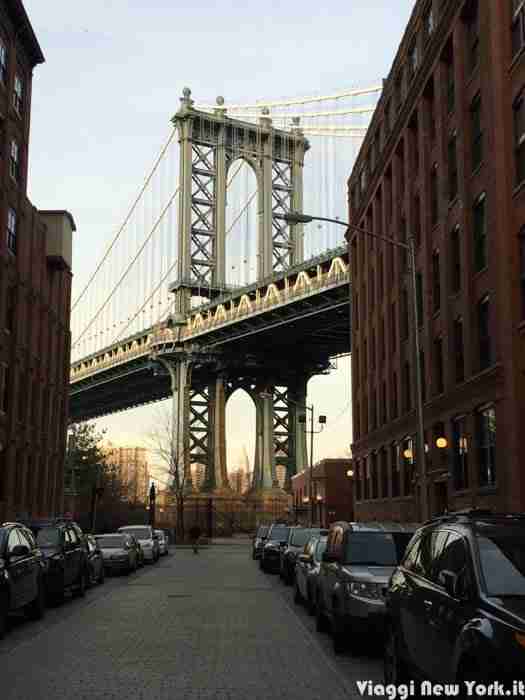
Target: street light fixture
point(292, 218)
point(350, 473)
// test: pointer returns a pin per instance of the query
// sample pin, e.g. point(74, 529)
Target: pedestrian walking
point(195, 535)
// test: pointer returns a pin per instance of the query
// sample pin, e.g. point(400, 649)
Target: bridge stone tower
point(210, 142)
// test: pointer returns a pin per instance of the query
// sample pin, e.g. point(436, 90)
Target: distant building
point(35, 298)
point(133, 471)
point(198, 474)
point(280, 471)
point(327, 497)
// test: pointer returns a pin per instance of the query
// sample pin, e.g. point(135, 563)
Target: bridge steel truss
point(201, 373)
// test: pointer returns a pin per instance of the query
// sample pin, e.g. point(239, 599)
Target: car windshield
point(320, 548)
point(48, 537)
point(376, 548)
point(300, 537)
point(262, 531)
point(111, 542)
point(279, 533)
point(502, 559)
point(139, 533)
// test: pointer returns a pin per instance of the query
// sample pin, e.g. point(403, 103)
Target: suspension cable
point(128, 216)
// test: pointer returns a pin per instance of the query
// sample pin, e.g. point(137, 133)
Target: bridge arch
point(241, 245)
point(240, 432)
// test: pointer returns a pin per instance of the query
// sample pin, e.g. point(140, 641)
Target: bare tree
point(166, 448)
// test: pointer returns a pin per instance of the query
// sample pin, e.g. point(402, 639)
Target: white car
point(163, 542)
point(148, 540)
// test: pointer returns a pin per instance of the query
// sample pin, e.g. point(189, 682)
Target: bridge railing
point(238, 308)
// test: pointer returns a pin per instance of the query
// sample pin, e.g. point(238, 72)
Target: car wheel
point(297, 597)
point(81, 585)
point(394, 668)
point(338, 634)
point(4, 609)
point(321, 624)
point(36, 609)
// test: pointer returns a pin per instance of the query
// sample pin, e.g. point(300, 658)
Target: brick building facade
point(133, 471)
point(443, 162)
point(35, 287)
point(331, 491)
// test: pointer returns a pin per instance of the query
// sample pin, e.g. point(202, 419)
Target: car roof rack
point(474, 514)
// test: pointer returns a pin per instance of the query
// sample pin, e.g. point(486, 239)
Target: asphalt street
point(201, 626)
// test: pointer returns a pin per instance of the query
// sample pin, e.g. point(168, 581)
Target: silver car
point(163, 542)
point(147, 539)
point(118, 552)
point(307, 569)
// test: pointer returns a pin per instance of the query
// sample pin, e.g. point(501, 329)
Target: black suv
point(276, 540)
point(65, 554)
point(456, 603)
point(21, 574)
point(297, 539)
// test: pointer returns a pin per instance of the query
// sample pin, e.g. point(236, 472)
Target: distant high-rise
point(198, 474)
point(133, 471)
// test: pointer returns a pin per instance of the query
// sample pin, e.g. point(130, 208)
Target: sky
point(113, 76)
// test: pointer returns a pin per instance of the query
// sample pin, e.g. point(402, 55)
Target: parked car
point(307, 569)
point(259, 540)
point(163, 542)
point(456, 603)
point(355, 569)
point(95, 561)
point(65, 556)
point(148, 540)
point(119, 552)
point(275, 541)
point(22, 585)
point(139, 550)
point(297, 538)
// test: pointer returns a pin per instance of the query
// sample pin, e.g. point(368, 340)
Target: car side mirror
point(21, 550)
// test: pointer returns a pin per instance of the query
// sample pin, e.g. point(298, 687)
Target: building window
point(383, 403)
point(522, 270)
point(518, 26)
point(372, 349)
point(429, 109)
point(404, 315)
point(393, 333)
point(413, 59)
point(455, 260)
point(394, 395)
point(436, 282)
point(375, 408)
point(365, 358)
point(383, 339)
point(422, 375)
point(407, 388)
point(10, 309)
point(18, 94)
point(366, 475)
point(416, 221)
point(460, 453)
point(387, 121)
point(394, 458)
point(356, 372)
point(403, 252)
point(357, 421)
point(398, 91)
point(374, 479)
point(384, 472)
point(472, 21)
point(458, 350)
point(438, 366)
point(419, 299)
point(356, 311)
point(428, 22)
point(371, 289)
point(452, 169)
point(408, 464)
point(476, 132)
point(14, 161)
point(486, 440)
point(3, 62)
point(480, 234)
point(11, 231)
point(358, 482)
point(485, 349)
point(450, 82)
point(434, 197)
point(381, 274)
point(519, 137)
point(4, 403)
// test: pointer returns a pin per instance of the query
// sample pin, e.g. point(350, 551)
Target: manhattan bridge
point(205, 287)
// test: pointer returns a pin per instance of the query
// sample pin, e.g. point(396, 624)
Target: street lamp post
point(298, 218)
